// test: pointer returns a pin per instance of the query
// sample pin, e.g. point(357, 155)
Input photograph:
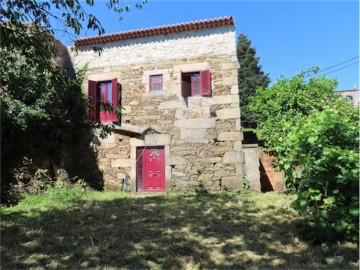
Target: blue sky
point(289, 36)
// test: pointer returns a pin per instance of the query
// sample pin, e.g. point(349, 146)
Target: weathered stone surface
point(238, 146)
point(121, 163)
point(213, 160)
point(232, 157)
point(231, 183)
point(230, 136)
point(109, 139)
point(221, 173)
point(237, 125)
point(239, 169)
point(225, 99)
point(174, 104)
point(228, 113)
point(157, 139)
point(228, 66)
point(177, 173)
point(176, 160)
point(126, 109)
point(234, 89)
point(252, 164)
point(193, 134)
point(134, 103)
point(136, 142)
point(205, 177)
point(197, 123)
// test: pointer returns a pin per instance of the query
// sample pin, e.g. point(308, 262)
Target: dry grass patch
point(173, 231)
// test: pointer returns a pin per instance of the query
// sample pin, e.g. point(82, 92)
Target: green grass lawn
point(107, 230)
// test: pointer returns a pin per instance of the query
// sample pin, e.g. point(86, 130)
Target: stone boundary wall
point(201, 135)
point(271, 180)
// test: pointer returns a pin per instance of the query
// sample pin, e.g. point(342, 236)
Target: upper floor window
point(102, 96)
point(196, 83)
point(156, 83)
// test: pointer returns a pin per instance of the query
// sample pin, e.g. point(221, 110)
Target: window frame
point(156, 83)
point(95, 113)
point(204, 83)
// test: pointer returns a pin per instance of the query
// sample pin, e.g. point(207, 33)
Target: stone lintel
point(157, 139)
point(136, 142)
point(130, 128)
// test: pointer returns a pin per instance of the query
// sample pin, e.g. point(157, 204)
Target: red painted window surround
point(156, 83)
point(100, 92)
point(196, 83)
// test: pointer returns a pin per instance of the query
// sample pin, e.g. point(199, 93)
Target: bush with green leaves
point(326, 147)
point(314, 134)
point(30, 180)
point(41, 111)
point(278, 110)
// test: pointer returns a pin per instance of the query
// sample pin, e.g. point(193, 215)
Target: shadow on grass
point(187, 231)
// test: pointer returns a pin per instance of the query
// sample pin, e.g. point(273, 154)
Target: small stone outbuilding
point(178, 87)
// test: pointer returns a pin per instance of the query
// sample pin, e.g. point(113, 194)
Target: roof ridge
point(157, 30)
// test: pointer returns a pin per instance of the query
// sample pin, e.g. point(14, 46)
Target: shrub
point(33, 181)
point(306, 125)
point(326, 146)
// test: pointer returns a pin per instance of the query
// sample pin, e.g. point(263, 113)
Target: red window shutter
point(92, 100)
point(115, 99)
point(205, 82)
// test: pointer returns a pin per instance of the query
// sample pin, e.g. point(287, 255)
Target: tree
point(278, 108)
point(306, 125)
point(250, 77)
point(42, 105)
point(46, 18)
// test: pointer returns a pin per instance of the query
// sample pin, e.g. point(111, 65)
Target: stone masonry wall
point(201, 135)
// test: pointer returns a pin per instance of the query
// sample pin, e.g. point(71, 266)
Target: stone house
point(180, 123)
point(351, 95)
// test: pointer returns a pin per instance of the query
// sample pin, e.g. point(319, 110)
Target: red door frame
point(150, 169)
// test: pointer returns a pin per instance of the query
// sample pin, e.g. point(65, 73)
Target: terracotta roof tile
point(161, 30)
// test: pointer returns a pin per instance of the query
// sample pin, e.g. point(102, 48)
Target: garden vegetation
point(314, 134)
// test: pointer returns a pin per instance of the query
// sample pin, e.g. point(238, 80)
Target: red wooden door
point(153, 170)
